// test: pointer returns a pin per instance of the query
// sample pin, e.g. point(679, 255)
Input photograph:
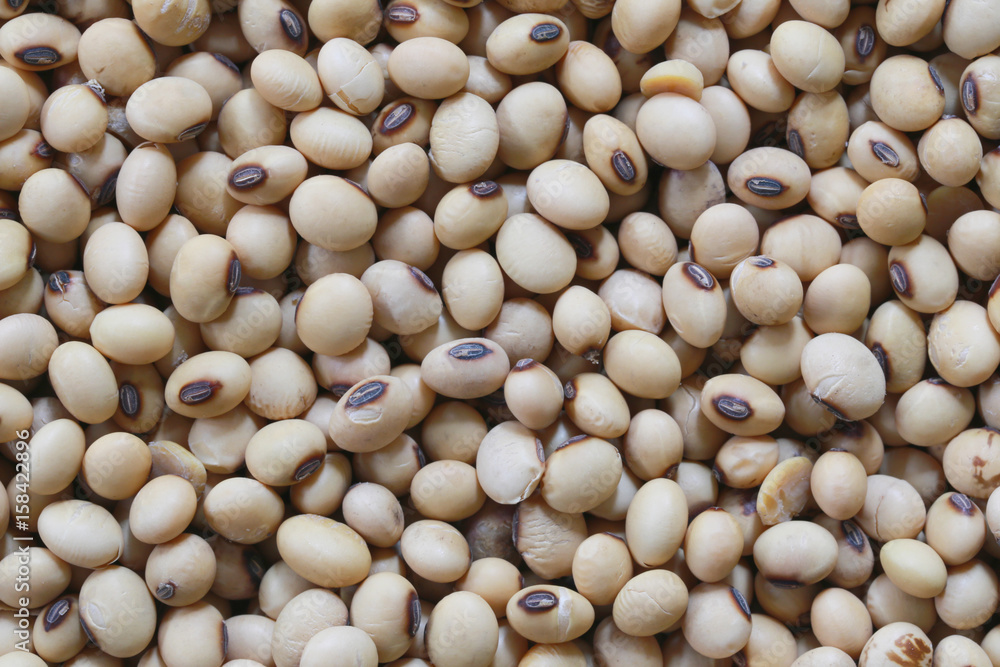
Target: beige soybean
point(523, 329)
point(509, 463)
point(386, 607)
point(818, 128)
point(795, 553)
point(568, 194)
point(469, 214)
point(399, 175)
point(371, 414)
point(41, 42)
point(446, 491)
point(833, 195)
point(70, 303)
point(465, 368)
point(350, 76)
point(208, 384)
point(74, 117)
point(843, 375)
point(641, 27)
point(404, 299)
point(907, 93)
point(54, 205)
point(169, 109)
point(549, 614)
point(454, 430)
point(547, 539)
point(192, 634)
point(713, 545)
point(435, 550)
point(596, 406)
point(181, 571)
point(56, 452)
point(18, 252)
point(286, 80)
point(132, 333)
point(968, 463)
point(581, 322)
point(755, 78)
point(29, 341)
point(285, 452)
point(658, 503)
point(112, 598)
point(770, 178)
point(81, 533)
point(950, 152)
point(472, 288)
point(635, 300)
point(613, 152)
point(428, 67)
point(407, 119)
point(840, 619)
point(971, 238)
point(116, 465)
point(464, 138)
point(324, 551)
point(961, 344)
point(805, 242)
point(352, 222)
point(527, 43)
point(766, 291)
point(838, 483)
point(970, 595)
point(690, 139)
point(818, 72)
point(456, 614)
point(890, 211)
point(204, 260)
point(650, 602)
point(84, 382)
point(743, 462)
point(741, 405)
point(302, 618)
point(602, 565)
point(146, 186)
point(878, 151)
point(837, 300)
point(376, 515)
point(893, 509)
point(725, 610)
point(642, 364)
point(162, 509)
point(341, 644)
point(978, 90)
point(897, 339)
point(250, 324)
point(16, 113)
point(914, 567)
point(771, 354)
point(532, 118)
point(723, 236)
point(694, 304)
point(330, 138)
point(162, 244)
point(955, 528)
point(57, 634)
point(341, 293)
point(581, 474)
point(588, 77)
point(266, 175)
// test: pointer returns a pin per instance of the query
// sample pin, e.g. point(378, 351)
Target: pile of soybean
point(507, 332)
